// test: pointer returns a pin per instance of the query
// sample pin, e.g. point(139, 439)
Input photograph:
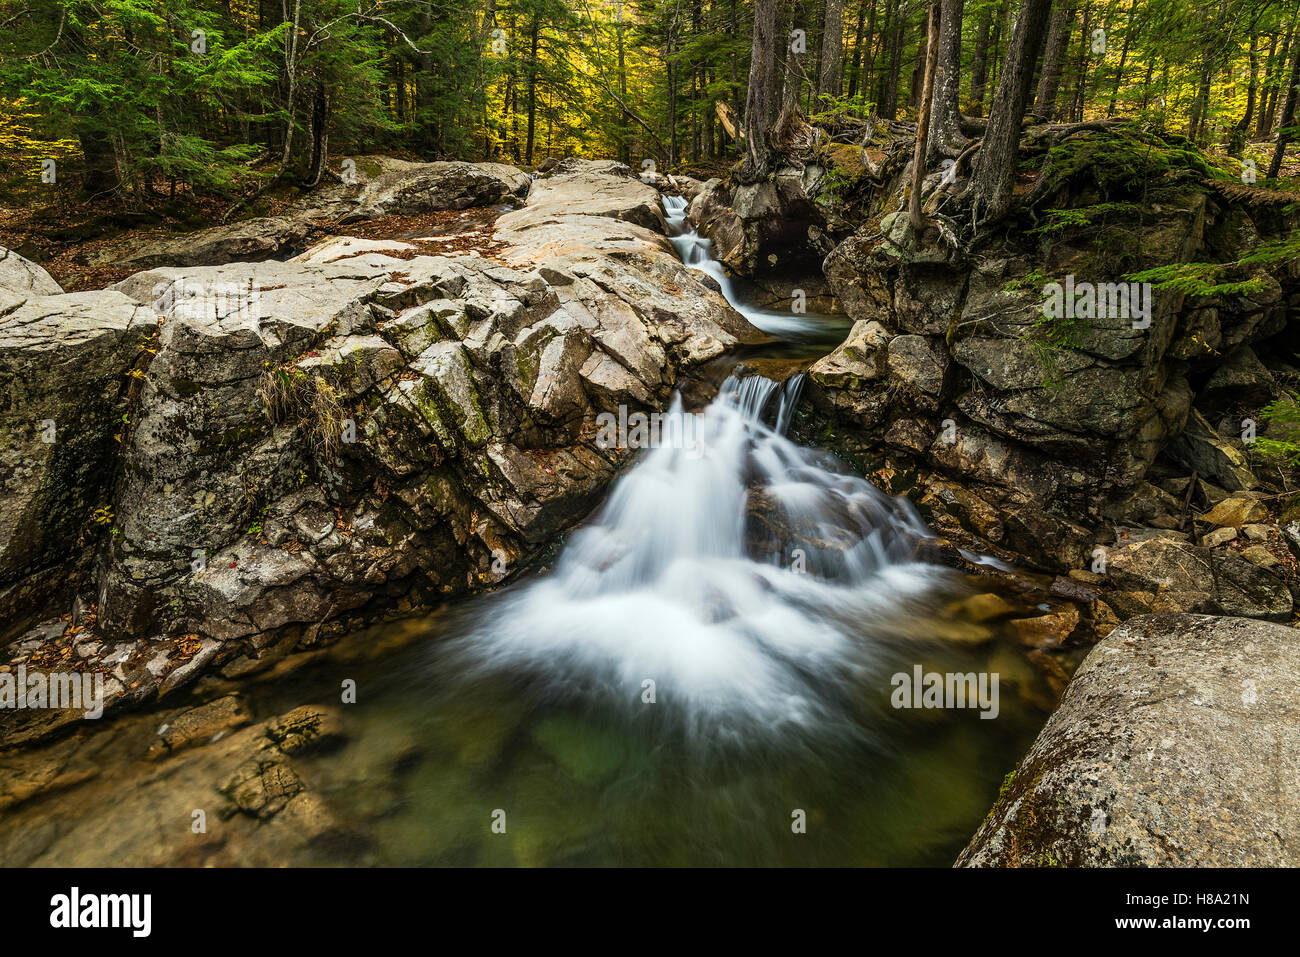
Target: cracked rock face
point(64, 360)
point(1153, 758)
point(351, 430)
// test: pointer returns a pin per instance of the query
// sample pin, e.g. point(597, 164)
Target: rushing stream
point(704, 676)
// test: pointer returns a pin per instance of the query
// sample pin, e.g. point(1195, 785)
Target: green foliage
point(1229, 279)
point(1283, 450)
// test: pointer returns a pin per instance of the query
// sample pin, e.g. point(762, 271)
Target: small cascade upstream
point(697, 252)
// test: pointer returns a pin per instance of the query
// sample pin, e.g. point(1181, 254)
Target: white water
point(745, 635)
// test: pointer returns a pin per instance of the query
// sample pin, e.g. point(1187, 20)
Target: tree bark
point(1269, 103)
point(1131, 32)
point(1288, 114)
point(979, 67)
point(914, 217)
point(855, 71)
point(828, 84)
point(918, 69)
point(945, 137)
point(534, 33)
point(1237, 139)
point(762, 102)
point(1049, 80)
point(993, 179)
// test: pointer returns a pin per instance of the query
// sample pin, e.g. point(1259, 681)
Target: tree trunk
point(890, 54)
point(1269, 119)
point(945, 137)
point(1288, 114)
point(993, 179)
point(914, 217)
point(534, 33)
point(1237, 140)
point(320, 127)
point(1081, 65)
point(1270, 61)
point(1131, 32)
point(828, 84)
point(855, 71)
point(979, 67)
point(1058, 39)
point(762, 103)
point(918, 69)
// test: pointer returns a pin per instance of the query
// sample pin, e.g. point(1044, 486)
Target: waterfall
point(697, 252)
point(747, 584)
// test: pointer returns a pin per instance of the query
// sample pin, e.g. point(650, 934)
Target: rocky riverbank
point(215, 464)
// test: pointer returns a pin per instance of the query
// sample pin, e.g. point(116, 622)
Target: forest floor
point(78, 242)
point(78, 245)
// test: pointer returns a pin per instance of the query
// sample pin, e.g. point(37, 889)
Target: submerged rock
point(1174, 746)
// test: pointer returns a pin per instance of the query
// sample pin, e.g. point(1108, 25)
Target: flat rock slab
point(1175, 745)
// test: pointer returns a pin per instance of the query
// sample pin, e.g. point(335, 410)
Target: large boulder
point(21, 278)
point(398, 187)
point(1173, 746)
point(248, 240)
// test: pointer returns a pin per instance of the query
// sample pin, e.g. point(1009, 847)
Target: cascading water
point(715, 647)
point(697, 252)
point(754, 586)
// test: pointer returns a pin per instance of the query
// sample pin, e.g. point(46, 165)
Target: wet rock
point(1173, 746)
point(261, 787)
point(309, 727)
point(1045, 631)
point(199, 725)
point(984, 607)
